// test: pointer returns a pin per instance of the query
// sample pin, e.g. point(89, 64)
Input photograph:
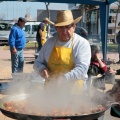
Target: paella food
point(25, 107)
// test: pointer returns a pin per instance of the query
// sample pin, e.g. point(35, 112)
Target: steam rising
point(50, 98)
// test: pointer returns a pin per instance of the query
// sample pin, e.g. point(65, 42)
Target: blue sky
point(11, 10)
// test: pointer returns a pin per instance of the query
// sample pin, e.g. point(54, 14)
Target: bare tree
point(48, 11)
point(87, 9)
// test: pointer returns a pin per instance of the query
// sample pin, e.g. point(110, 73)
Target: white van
point(30, 30)
point(5, 27)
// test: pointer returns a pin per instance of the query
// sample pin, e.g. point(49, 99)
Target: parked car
point(30, 30)
point(79, 30)
point(5, 27)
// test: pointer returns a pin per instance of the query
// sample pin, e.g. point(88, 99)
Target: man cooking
point(66, 56)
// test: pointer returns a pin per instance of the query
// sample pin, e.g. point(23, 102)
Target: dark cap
point(22, 19)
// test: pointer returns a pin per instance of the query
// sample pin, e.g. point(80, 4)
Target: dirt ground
point(5, 62)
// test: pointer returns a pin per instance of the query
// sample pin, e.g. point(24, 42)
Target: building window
point(114, 11)
point(112, 19)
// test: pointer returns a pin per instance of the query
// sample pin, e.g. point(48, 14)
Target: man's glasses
point(65, 27)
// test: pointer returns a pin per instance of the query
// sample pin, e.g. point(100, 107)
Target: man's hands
point(45, 73)
point(58, 79)
point(97, 56)
point(14, 51)
point(101, 64)
point(42, 38)
point(112, 71)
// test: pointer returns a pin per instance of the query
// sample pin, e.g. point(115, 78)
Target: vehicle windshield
point(27, 28)
point(5, 26)
point(34, 28)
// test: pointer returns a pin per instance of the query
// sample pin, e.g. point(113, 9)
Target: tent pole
point(104, 13)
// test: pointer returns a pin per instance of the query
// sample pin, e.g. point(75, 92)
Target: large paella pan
point(21, 114)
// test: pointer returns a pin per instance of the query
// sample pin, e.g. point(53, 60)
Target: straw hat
point(66, 18)
point(46, 19)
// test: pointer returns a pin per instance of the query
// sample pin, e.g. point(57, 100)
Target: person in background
point(97, 66)
point(17, 42)
point(99, 69)
point(41, 33)
point(118, 42)
point(64, 57)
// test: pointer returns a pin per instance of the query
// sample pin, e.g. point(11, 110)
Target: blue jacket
point(17, 37)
